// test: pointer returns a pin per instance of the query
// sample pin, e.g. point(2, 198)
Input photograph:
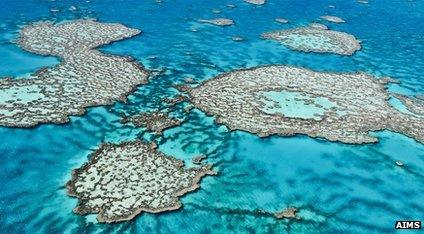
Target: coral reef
point(85, 77)
point(333, 19)
point(414, 105)
point(121, 181)
point(255, 2)
point(218, 21)
point(288, 213)
point(316, 38)
point(154, 121)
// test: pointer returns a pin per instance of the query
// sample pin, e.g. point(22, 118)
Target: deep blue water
point(338, 187)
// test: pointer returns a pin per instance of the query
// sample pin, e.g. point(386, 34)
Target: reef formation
point(198, 159)
point(121, 181)
point(85, 77)
point(288, 213)
point(333, 19)
point(218, 21)
point(255, 2)
point(154, 121)
point(285, 100)
point(281, 20)
point(316, 38)
point(237, 38)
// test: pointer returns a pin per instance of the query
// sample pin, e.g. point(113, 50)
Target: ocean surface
point(338, 188)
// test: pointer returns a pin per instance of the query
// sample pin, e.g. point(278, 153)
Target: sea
point(338, 188)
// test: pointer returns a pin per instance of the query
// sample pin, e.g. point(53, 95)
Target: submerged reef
point(287, 100)
point(218, 21)
point(333, 19)
point(121, 181)
point(255, 2)
point(175, 100)
point(85, 77)
point(154, 121)
point(237, 38)
point(198, 159)
point(316, 38)
point(281, 20)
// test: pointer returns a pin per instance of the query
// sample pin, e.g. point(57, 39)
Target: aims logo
point(408, 225)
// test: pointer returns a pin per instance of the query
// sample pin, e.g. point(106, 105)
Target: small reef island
point(333, 19)
point(121, 181)
point(154, 121)
point(218, 21)
point(247, 116)
point(316, 38)
point(285, 100)
point(255, 2)
point(85, 77)
point(288, 213)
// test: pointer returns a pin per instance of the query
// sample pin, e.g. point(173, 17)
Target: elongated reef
point(316, 38)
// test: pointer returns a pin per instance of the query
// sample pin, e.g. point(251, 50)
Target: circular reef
point(316, 39)
point(287, 100)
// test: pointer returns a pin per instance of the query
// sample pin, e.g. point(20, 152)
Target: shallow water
point(295, 105)
point(337, 187)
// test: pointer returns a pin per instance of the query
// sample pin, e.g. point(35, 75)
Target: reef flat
point(198, 159)
point(154, 121)
point(121, 181)
point(218, 21)
point(316, 38)
point(287, 100)
point(85, 77)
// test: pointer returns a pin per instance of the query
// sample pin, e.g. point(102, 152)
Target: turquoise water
point(338, 187)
